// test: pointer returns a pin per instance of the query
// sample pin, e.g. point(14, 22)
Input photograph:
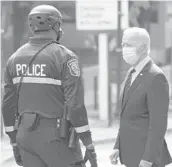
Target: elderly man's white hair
point(137, 35)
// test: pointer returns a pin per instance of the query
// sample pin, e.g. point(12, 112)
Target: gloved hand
point(91, 156)
point(17, 155)
point(79, 164)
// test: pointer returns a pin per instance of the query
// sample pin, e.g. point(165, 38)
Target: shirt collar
point(40, 40)
point(142, 64)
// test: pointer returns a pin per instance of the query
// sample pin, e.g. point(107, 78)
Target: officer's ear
point(58, 31)
point(61, 32)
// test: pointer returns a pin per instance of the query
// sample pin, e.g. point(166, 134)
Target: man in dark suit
point(144, 106)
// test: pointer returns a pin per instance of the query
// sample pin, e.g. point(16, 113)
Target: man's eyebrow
point(125, 43)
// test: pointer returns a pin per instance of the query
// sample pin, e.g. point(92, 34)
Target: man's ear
point(61, 32)
point(143, 49)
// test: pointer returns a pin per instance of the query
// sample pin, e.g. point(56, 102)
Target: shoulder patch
point(71, 53)
point(74, 67)
point(68, 51)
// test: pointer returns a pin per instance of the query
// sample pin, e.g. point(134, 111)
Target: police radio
point(64, 124)
point(73, 139)
point(17, 116)
point(67, 131)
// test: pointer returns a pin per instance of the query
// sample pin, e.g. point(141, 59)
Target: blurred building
point(155, 16)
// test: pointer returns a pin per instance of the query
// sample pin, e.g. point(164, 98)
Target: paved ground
point(101, 133)
point(103, 152)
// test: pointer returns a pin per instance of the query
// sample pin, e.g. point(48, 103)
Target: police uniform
point(52, 80)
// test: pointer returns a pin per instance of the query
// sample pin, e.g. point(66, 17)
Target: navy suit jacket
point(143, 119)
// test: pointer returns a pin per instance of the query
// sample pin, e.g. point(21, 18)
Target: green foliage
point(143, 13)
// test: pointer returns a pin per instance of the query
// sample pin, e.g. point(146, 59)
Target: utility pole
point(16, 19)
point(171, 74)
point(118, 50)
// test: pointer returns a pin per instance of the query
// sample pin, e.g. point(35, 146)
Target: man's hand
point(144, 163)
point(114, 157)
point(17, 155)
point(91, 156)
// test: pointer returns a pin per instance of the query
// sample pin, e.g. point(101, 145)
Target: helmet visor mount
point(42, 21)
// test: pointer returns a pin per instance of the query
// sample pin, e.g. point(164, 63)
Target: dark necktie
point(128, 83)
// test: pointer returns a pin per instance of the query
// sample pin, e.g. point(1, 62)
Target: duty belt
point(34, 120)
point(55, 122)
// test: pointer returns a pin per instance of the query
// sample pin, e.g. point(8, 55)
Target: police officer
point(52, 81)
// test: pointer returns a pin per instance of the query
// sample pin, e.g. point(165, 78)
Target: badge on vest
point(74, 67)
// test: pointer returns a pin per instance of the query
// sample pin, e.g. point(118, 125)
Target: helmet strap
point(58, 31)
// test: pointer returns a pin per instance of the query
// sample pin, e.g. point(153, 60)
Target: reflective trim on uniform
point(82, 129)
point(37, 80)
point(9, 128)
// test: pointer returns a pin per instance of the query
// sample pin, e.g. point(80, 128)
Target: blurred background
point(155, 16)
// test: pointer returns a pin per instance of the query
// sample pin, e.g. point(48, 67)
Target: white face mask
point(129, 55)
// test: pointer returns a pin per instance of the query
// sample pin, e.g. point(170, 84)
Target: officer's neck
point(48, 35)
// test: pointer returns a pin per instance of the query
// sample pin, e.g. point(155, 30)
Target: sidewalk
point(101, 133)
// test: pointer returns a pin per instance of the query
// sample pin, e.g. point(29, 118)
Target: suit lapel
point(122, 88)
point(134, 85)
point(121, 95)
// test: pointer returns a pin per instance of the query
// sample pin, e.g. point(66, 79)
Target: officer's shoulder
point(19, 50)
point(67, 52)
point(17, 53)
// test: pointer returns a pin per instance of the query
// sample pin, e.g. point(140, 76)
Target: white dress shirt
point(139, 68)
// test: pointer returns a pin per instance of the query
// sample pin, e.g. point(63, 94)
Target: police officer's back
point(49, 85)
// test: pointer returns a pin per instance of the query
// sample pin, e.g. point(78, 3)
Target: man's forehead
point(135, 36)
point(130, 40)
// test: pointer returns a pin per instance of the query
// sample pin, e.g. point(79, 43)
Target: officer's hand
point(17, 155)
point(91, 156)
point(144, 163)
point(114, 157)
